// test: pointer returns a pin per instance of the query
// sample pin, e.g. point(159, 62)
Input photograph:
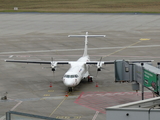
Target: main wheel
point(90, 79)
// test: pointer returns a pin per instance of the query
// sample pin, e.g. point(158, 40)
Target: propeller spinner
point(53, 65)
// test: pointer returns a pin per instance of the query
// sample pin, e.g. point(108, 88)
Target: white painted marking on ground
point(61, 59)
point(3, 117)
point(10, 56)
point(109, 94)
point(23, 56)
point(58, 97)
point(95, 116)
point(19, 102)
point(16, 105)
point(135, 56)
point(103, 48)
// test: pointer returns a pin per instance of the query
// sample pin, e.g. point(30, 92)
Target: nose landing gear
point(70, 89)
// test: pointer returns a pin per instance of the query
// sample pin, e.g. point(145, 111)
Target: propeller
point(53, 65)
point(99, 65)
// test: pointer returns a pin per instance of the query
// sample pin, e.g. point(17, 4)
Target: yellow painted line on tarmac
point(58, 105)
point(50, 90)
point(145, 39)
point(122, 49)
point(42, 99)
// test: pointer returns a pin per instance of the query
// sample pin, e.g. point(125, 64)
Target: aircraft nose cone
point(68, 82)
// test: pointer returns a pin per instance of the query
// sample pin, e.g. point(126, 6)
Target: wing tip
point(6, 60)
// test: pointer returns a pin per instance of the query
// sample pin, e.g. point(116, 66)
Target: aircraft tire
point(70, 89)
point(90, 79)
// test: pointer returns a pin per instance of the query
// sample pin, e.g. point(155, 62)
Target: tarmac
point(37, 90)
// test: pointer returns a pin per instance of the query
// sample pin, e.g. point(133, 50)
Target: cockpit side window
point(66, 76)
point(70, 76)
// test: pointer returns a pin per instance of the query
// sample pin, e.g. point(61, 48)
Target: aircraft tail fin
point(86, 41)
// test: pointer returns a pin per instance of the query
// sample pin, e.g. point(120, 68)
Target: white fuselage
point(77, 72)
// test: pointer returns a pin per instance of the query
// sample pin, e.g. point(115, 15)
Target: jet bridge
point(149, 76)
point(139, 73)
point(123, 71)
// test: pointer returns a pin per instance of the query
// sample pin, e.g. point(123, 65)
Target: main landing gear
point(90, 79)
point(70, 89)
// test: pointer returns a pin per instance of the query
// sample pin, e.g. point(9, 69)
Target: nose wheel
point(70, 89)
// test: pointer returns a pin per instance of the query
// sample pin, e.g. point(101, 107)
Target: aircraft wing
point(112, 62)
point(58, 62)
point(140, 61)
point(68, 62)
point(37, 62)
point(103, 62)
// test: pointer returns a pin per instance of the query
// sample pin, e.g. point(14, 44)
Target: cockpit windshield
point(70, 76)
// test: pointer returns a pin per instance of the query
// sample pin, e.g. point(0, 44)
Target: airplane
point(78, 69)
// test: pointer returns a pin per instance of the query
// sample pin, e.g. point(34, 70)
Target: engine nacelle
point(53, 66)
point(99, 69)
point(53, 69)
point(99, 66)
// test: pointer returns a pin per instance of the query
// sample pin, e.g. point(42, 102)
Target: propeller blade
point(99, 65)
point(97, 74)
point(100, 59)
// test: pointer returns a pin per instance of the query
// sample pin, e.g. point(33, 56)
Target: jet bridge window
point(126, 69)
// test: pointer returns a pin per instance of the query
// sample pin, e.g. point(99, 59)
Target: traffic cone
point(66, 94)
point(96, 84)
point(50, 85)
